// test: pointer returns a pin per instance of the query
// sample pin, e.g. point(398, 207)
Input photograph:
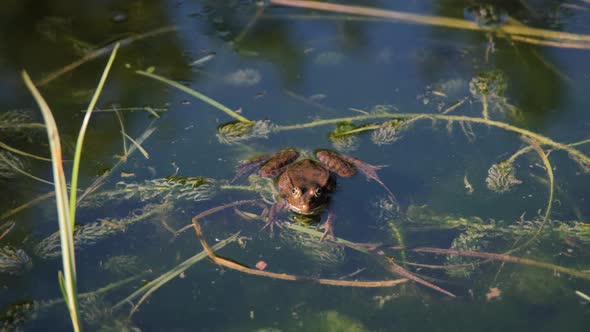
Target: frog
point(305, 185)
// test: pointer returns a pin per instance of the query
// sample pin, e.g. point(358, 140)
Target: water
point(292, 66)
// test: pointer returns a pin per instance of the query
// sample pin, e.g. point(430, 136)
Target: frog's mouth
point(308, 212)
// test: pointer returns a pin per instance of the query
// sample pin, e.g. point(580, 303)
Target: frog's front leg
point(329, 226)
point(272, 218)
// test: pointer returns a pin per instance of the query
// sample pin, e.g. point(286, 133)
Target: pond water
point(446, 109)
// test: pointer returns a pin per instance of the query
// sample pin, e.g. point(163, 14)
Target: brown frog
point(305, 184)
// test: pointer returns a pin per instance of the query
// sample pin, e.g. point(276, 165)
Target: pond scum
point(470, 248)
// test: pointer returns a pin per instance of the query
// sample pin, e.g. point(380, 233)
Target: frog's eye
point(295, 191)
point(318, 192)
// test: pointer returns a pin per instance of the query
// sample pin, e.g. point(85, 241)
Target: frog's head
point(308, 200)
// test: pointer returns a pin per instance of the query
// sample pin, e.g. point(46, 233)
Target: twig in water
point(137, 145)
point(100, 52)
point(283, 276)
point(100, 180)
point(22, 153)
point(122, 125)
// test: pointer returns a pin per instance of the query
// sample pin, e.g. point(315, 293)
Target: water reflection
point(290, 68)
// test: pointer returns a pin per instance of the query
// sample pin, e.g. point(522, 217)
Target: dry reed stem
point(504, 258)
point(215, 210)
point(7, 230)
point(395, 268)
point(250, 23)
point(432, 20)
point(553, 43)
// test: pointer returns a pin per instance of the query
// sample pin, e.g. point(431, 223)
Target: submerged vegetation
point(456, 262)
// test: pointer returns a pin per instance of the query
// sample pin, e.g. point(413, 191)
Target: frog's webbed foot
point(329, 226)
point(272, 219)
point(370, 172)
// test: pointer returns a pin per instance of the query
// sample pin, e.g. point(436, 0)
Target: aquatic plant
point(243, 77)
point(487, 15)
point(391, 219)
point(332, 321)
point(123, 265)
point(501, 177)
point(14, 261)
point(489, 88)
point(343, 138)
point(322, 253)
point(88, 234)
point(10, 165)
point(169, 188)
point(17, 314)
point(389, 132)
point(100, 316)
point(239, 131)
point(265, 187)
point(18, 121)
point(470, 240)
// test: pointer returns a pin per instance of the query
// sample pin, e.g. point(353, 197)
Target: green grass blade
point(195, 94)
point(61, 195)
point(82, 134)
